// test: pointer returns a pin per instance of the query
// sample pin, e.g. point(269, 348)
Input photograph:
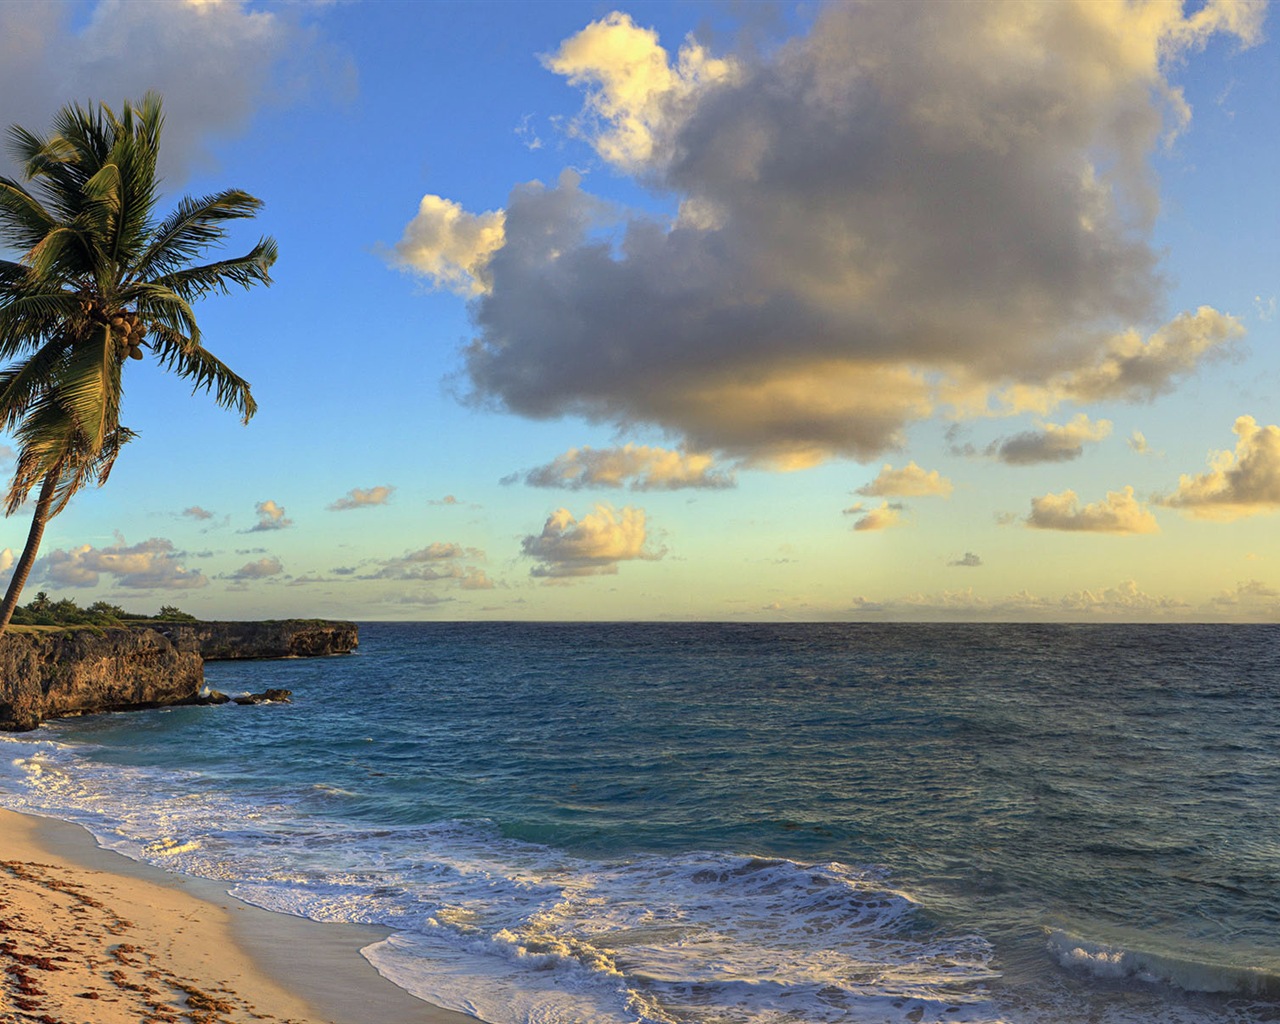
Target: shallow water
point(728, 823)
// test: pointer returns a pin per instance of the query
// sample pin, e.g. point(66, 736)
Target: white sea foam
point(518, 933)
point(1113, 961)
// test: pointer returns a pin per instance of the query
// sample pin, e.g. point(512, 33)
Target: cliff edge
point(79, 671)
point(279, 638)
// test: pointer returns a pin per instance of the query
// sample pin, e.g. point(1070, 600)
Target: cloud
point(1051, 443)
point(1245, 482)
point(270, 517)
point(262, 569)
point(182, 50)
point(882, 517)
point(149, 565)
point(450, 246)
point(633, 89)
point(908, 482)
point(590, 546)
point(437, 561)
point(1121, 512)
point(1125, 601)
point(196, 512)
point(448, 499)
point(1131, 369)
point(911, 207)
point(1250, 596)
point(647, 469)
point(1137, 442)
point(969, 561)
point(358, 498)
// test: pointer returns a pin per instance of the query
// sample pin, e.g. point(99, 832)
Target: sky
point(884, 311)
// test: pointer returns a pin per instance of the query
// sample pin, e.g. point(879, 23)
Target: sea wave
point(520, 932)
point(1112, 961)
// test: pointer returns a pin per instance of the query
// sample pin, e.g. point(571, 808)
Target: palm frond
point(51, 255)
point(31, 317)
point(193, 226)
point(206, 372)
point(88, 387)
point(161, 306)
point(23, 217)
point(252, 268)
point(20, 385)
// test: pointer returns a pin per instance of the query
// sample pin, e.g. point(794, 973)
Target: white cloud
point(270, 517)
point(881, 517)
point(912, 206)
point(1051, 442)
point(149, 565)
point(634, 91)
point(263, 568)
point(1121, 512)
point(196, 512)
point(646, 468)
point(1245, 482)
point(590, 546)
point(450, 246)
point(908, 482)
point(360, 498)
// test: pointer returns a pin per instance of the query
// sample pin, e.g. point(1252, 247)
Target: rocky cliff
point(79, 671)
point(61, 672)
point(283, 638)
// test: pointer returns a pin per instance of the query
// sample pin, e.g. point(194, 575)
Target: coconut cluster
point(126, 328)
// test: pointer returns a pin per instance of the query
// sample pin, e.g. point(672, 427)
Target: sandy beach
point(90, 937)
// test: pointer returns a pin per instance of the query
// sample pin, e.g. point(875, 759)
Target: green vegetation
point(40, 611)
point(99, 281)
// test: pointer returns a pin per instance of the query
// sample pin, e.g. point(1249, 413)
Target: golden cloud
point(1121, 512)
point(1245, 482)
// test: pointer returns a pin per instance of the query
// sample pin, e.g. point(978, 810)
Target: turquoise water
point(737, 823)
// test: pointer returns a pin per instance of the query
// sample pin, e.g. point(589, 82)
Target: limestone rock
point(66, 672)
point(282, 638)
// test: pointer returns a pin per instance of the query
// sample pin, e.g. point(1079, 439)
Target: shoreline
point(89, 934)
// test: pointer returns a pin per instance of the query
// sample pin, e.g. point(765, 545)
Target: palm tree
point(97, 280)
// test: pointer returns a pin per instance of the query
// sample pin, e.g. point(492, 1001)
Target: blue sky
point(814, 312)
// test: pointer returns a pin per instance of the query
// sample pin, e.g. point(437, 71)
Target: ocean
point(708, 823)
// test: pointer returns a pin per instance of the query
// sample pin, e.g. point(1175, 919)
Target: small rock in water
point(266, 697)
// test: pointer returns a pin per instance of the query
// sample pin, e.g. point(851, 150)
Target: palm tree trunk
point(23, 569)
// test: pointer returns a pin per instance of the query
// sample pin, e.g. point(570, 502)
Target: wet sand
point(88, 936)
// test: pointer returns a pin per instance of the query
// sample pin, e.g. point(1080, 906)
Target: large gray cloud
point(215, 63)
point(911, 206)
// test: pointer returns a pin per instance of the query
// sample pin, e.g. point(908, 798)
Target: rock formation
point(62, 672)
point(77, 671)
point(283, 638)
